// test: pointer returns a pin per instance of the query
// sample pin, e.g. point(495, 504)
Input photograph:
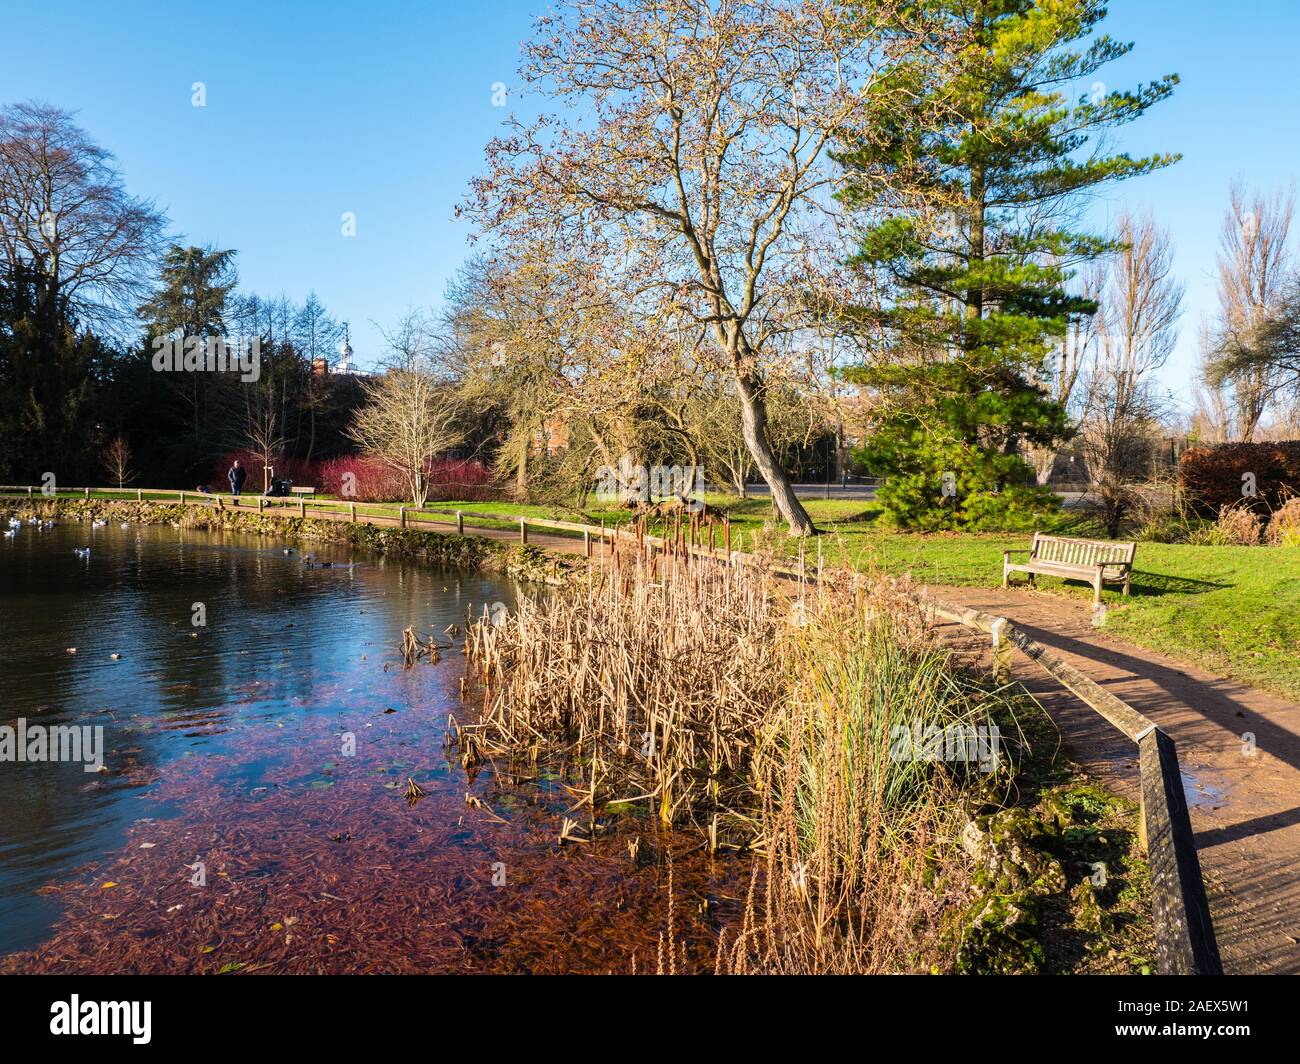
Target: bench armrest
point(1006, 554)
point(1121, 565)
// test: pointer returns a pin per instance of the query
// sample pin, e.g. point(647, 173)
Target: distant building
point(345, 364)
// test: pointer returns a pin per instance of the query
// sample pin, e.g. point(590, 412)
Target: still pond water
point(252, 815)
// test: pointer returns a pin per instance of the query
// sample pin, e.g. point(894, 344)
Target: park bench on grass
point(1096, 561)
point(310, 492)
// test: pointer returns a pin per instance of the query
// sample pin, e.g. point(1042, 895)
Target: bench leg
point(1006, 576)
point(1127, 578)
point(1096, 591)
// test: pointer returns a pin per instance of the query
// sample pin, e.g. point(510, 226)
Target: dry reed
point(763, 715)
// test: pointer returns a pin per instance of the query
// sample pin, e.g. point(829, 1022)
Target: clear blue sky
point(383, 108)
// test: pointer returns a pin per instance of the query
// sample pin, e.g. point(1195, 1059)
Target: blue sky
point(383, 108)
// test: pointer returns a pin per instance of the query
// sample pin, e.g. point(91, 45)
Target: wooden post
point(182, 498)
point(139, 495)
point(401, 516)
point(261, 502)
point(460, 523)
point(1185, 943)
point(1001, 651)
point(302, 506)
point(586, 542)
point(87, 490)
point(352, 510)
point(29, 491)
point(523, 532)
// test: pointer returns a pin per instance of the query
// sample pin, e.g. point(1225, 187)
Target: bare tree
point(697, 167)
point(65, 213)
point(1253, 271)
point(1077, 348)
point(116, 461)
point(1137, 328)
point(411, 416)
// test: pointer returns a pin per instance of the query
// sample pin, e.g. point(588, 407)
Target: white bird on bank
point(98, 524)
point(14, 522)
point(9, 533)
point(81, 552)
point(126, 524)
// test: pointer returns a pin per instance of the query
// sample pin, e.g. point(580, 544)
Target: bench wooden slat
point(1069, 557)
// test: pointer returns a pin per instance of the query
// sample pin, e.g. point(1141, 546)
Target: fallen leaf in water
point(105, 886)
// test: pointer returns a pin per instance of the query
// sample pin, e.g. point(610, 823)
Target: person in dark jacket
point(237, 476)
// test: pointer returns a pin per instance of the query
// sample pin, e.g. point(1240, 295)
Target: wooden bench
point(1096, 561)
point(303, 491)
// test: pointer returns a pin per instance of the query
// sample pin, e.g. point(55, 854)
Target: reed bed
point(859, 863)
point(655, 678)
point(766, 715)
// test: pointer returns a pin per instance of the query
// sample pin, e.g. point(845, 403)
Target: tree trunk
point(753, 413)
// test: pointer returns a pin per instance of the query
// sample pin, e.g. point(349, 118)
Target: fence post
point(586, 542)
point(182, 498)
point(1001, 651)
point(523, 532)
point(261, 502)
point(302, 506)
point(29, 491)
point(87, 491)
point(460, 523)
point(352, 509)
point(139, 495)
point(401, 516)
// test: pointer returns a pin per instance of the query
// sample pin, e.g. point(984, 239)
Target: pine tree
point(969, 236)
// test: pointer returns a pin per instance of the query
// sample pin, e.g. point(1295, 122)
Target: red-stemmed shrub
point(295, 470)
point(375, 481)
point(466, 480)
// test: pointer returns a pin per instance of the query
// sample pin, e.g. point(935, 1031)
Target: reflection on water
point(267, 752)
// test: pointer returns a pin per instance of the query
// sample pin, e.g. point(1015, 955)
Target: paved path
point(536, 538)
point(1245, 809)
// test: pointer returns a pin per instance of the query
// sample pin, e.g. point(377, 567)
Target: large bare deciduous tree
point(1136, 325)
point(410, 416)
point(693, 165)
point(65, 213)
point(1254, 269)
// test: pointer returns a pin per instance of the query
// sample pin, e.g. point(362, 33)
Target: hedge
point(1213, 477)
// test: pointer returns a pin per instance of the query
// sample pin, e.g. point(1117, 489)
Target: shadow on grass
point(1153, 585)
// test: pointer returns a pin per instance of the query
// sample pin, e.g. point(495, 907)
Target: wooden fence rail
point(1184, 931)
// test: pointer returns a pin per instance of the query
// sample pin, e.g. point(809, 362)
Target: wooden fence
point(1184, 932)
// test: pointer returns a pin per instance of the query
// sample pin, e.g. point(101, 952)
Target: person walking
point(237, 476)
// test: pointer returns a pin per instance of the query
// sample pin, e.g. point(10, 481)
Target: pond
point(254, 810)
